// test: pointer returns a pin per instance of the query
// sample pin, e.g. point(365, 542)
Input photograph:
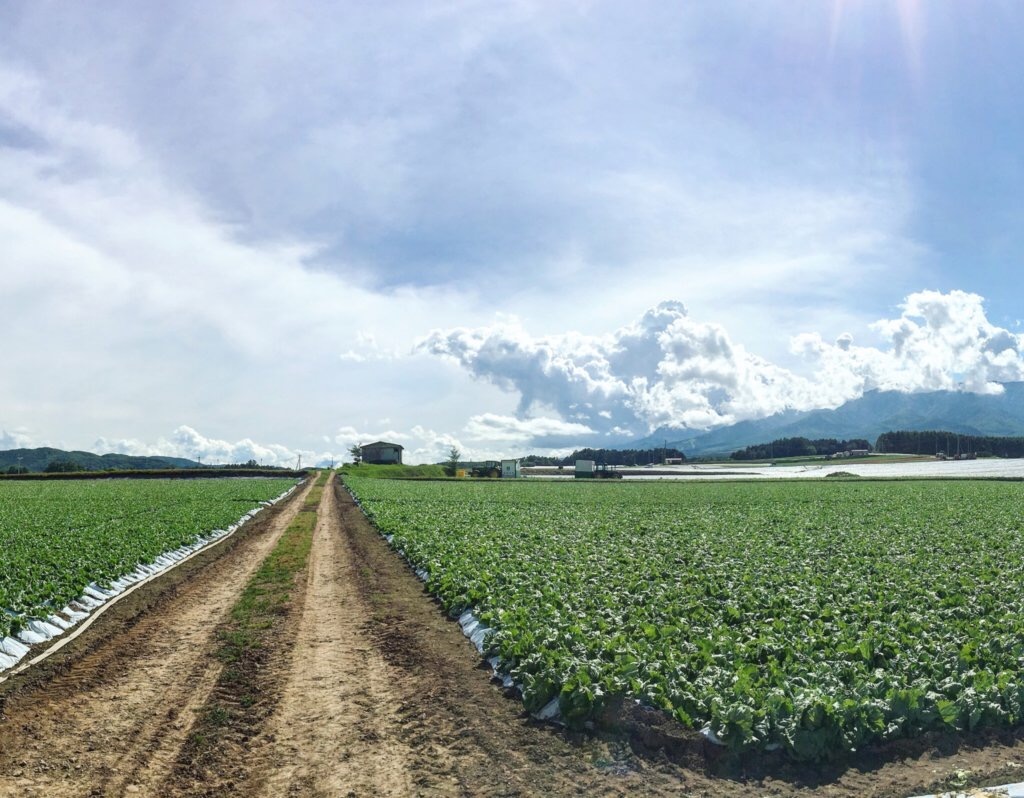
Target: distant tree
point(17, 469)
point(452, 463)
point(63, 467)
point(798, 447)
point(622, 457)
point(357, 453)
point(950, 443)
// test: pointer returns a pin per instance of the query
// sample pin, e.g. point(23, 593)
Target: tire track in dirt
point(335, 731)
point(114, 722)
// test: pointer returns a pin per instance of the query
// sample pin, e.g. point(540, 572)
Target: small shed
point(382, 453)
point(510, 469)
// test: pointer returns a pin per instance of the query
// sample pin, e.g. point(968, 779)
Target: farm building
point(381, 453)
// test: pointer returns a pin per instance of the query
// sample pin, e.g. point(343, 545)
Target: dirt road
point(372, 691)
point(335, 729)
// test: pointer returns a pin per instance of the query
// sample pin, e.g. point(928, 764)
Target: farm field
point(813, 618)
point(358, 684)
point(57, 537)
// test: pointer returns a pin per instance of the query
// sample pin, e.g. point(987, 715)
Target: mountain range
point(867, 417)
point(39, 459)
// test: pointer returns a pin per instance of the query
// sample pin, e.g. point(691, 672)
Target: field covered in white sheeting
point(912, 468)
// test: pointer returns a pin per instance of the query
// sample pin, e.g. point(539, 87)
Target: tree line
point(949, 443)
point(620, 457)
point(798, 447)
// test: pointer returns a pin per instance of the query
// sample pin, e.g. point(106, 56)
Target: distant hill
point(39, 459)
point(867, 417)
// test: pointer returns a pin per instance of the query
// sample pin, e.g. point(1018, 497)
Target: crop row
point(57, 537)
point(812, 617)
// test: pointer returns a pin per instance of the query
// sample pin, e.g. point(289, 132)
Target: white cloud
point(939, 342)
point(495, 428)
point(668, 369)
point(665, 369)
point(16, 439)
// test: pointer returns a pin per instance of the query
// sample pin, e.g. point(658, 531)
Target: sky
point(269, 230)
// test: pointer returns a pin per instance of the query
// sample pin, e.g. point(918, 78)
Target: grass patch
point(394, 471)
point(242, 699)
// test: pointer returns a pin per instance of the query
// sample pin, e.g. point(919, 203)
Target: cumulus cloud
point(668, 369)
point(939, 342)
point(664, 369)
point(189, 443)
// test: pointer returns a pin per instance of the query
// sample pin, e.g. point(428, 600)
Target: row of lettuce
point(815, 618)
point(57, 538)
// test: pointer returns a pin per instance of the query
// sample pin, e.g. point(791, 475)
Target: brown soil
point(375, 692)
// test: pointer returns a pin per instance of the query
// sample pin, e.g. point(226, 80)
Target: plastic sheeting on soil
point(41, 630)
point(1015, 790)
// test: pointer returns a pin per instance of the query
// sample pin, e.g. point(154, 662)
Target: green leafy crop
point(56, 537)
point(813, 616)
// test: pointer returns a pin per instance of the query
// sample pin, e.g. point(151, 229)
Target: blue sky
point(268, 228)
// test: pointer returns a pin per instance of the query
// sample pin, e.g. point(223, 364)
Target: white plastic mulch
point(964, 469)
point(1005, 791)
